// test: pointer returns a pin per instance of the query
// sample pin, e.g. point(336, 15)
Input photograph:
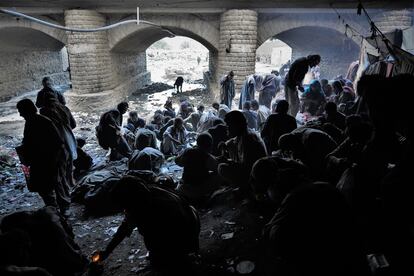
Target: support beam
point(238, 33)
point(90, 61)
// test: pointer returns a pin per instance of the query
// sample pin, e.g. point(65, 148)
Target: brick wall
point(240, 28)
point(89, 56)
point(131, 71)
point(23, 71)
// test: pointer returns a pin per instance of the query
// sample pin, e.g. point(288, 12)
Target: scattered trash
point(227, 236)
point(245, 267)
point(229, 222)
point(111, 231)
point(144, 256)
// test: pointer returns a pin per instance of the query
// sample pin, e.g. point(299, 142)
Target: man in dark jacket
point(43, 151)
point(47, 90)
point(227, 92)
point(294, 78)
point(168, 224)
point(109, 132)
point(276, 125)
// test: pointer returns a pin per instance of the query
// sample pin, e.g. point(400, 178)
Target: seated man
point(221, 109)
point(311, 146)
point(244, 149)
point(219, 134)
point(333, 116)
point(197, 181)
point(262, 114)
point(52, 245)
point(174, 138)
point(134, 122)
point(195, 117)
point(251, 116)
point(109, 132)
point(313, 99)
point(273, 177)
point(145, 138)
point(185, 109)
point(149, 159)
point(313, 233)
point(169, 226)
point(169, 110)
point(84, 161)
point(276, 125)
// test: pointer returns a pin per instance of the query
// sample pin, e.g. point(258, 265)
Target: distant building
point(274, 52)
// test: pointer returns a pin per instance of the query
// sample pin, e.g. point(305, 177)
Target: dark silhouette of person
point(227, 92)
point(48, 89)
point(169, 110)
point(313, 233)
point(64, 122)
point(109, 132)
point(243, 148)
point(199, 165)
point(276, 125)
point(43, 151)
point(84, 161)
point(334, 117)
point(309, 145)
point(51, 241)
point(294, 78)
point(169, 225)
point(219, 134)
point(134, 122)
point(178, 84)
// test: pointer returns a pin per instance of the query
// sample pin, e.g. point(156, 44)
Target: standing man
point(43, 150)
point(48, 89)
point(227, 89)
point(294, 78)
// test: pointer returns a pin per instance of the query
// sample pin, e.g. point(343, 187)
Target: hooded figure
point(270, 86)
point(252, 84)
point(313, 98)
point(227, 89)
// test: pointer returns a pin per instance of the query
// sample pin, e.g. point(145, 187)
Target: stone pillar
point(238, 44)
point(90, 62)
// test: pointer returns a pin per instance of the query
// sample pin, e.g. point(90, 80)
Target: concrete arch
point(270, 26)
point(59, 35)
point(133, 38)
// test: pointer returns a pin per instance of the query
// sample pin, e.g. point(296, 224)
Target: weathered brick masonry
point(238, 29)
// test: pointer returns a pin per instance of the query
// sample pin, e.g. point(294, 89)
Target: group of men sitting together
point(335, 190)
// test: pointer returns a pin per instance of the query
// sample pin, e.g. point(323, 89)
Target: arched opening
point(27, 56)
point(271, 55)
point(336, 49)
point(144, 54)
point(170, 58)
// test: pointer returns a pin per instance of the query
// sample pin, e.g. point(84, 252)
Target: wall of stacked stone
point(89, 55)
point(23, 71)
point(238, 29)
point(131, 71)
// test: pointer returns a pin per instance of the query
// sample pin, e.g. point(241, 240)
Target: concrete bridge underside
point(107, 66)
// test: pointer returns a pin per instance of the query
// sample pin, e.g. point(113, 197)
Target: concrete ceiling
point(315, 37)
point(208, 4)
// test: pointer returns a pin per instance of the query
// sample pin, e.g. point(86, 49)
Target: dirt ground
point(230, 238)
